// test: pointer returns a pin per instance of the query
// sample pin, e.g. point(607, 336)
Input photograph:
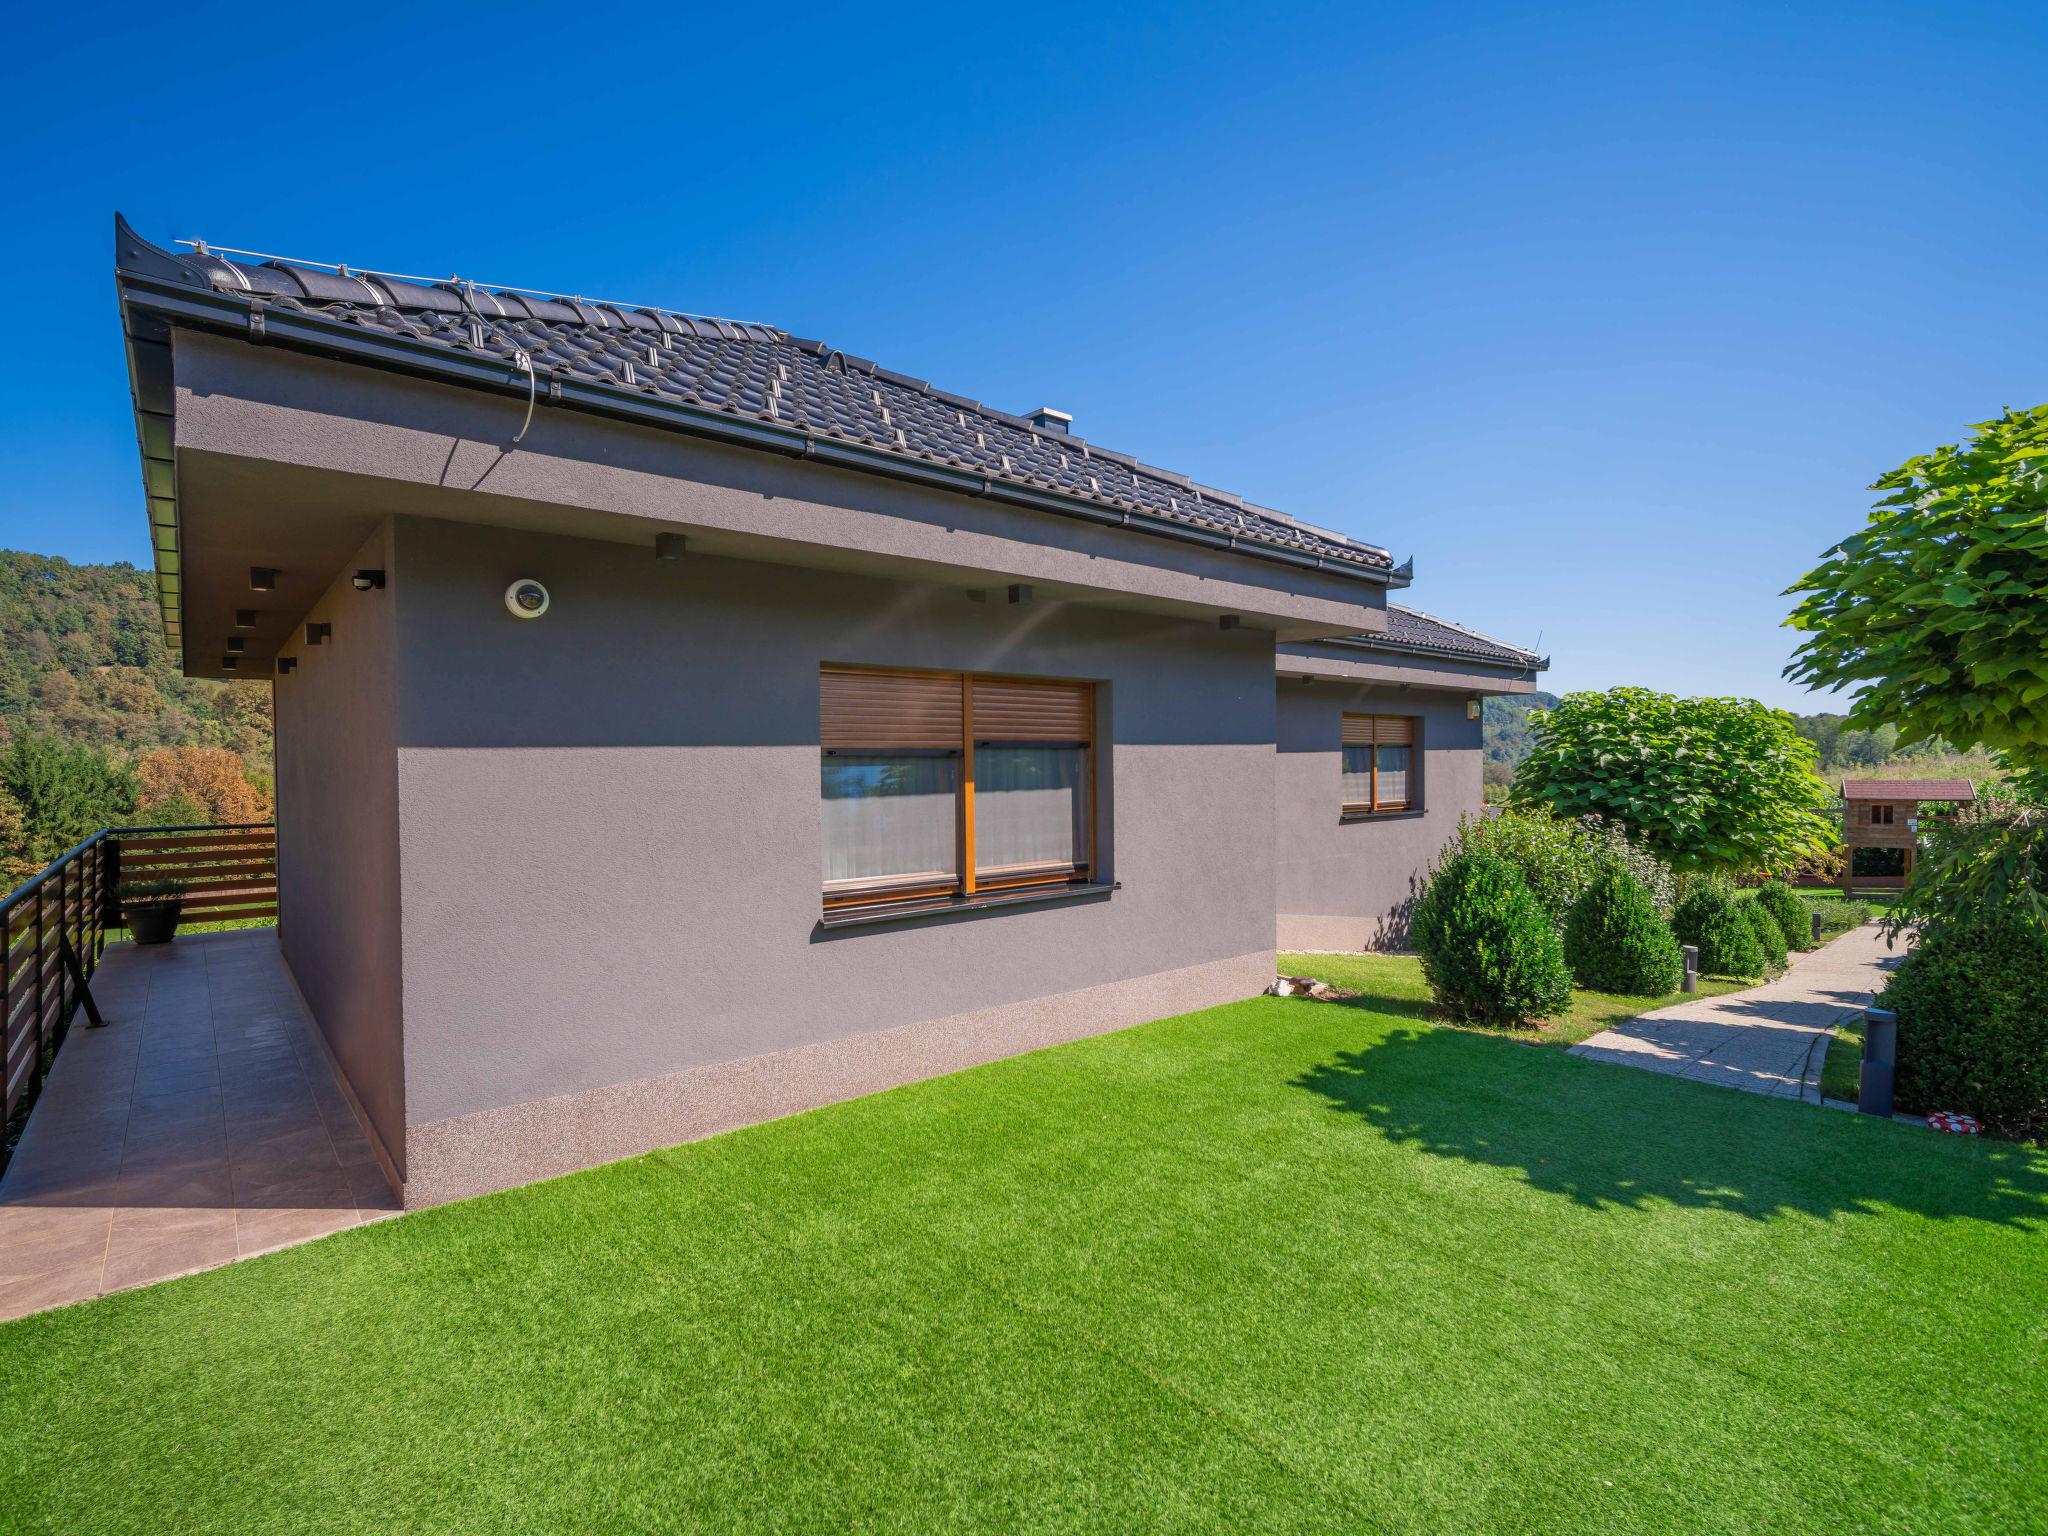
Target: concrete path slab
point(1770, 1039)
point(202, 1125)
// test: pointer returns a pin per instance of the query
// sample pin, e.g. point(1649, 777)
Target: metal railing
point(54, 926)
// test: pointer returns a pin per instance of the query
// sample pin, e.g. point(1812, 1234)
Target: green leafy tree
point(1710, 784)
point(1936, 611)
point(1614, 940)
point(64, 793)
point(1489, 951)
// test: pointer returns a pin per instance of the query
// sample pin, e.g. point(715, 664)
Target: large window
point(1379, 764)
point(949, 784)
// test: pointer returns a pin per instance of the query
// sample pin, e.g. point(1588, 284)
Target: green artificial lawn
point(1278, 1266)
point(1393, 984)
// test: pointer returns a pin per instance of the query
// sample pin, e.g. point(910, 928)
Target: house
point(1881, 826)
point(680, 723)
point(1394, 717)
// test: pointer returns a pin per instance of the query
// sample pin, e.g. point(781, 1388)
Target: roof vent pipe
point(1046, 419)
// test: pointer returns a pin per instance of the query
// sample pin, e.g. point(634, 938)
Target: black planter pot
point(154, 922)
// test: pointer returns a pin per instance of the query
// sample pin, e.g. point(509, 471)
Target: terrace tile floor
point(203, 1124)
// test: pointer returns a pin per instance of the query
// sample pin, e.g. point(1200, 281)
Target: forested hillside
point(1508, 737)
point(82, 657)
point(96, 727)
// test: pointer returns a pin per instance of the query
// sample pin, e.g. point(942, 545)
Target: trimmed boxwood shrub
point(1489, 950)
point(1614, 940)
point(1770, 938)
point(1972, 1001)
point(1708, 917)
point(1776, 898)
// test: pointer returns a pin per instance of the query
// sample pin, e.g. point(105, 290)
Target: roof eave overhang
point(153, 301)
point(1518, 666)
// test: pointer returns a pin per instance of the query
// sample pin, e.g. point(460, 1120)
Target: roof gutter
point(173, 299)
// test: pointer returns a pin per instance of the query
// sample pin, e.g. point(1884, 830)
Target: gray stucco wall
point(1348, 884)
point(611, 862)
point(337, 840)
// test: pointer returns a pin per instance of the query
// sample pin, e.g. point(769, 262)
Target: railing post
point(110, 882)
point(41, 980)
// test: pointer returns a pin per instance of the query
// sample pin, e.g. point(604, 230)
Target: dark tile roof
point(763, 373)
point(1908, 789)
point(1409, 631)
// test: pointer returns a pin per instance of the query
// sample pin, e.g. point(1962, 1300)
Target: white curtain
point(1393, 775)
point(890, 815)
point(1030, 806)
point(1358, 776)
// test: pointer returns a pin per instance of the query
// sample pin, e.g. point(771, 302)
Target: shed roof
point(1908, 789)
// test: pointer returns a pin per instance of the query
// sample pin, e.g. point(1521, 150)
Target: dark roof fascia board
point(1435, 653)
point(209, 309)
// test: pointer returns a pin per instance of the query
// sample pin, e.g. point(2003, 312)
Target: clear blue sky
point(1606, 314)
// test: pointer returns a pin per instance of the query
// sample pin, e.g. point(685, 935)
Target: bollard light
point(1691, 983)
point(1880, 1062)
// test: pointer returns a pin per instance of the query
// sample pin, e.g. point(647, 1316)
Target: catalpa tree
point(1711, 784)
point(1936, 612)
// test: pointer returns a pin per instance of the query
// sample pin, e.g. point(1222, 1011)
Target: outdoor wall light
point(262, 578)
point(285, 664)
point(669, 546)
point(1020, 593)
point(1471, 709)
point(1228, 621)
point(315, 633)
point(245, 618)
point(367, 581)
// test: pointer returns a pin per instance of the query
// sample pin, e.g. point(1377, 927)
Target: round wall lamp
point(367, 581)
point(526, 598)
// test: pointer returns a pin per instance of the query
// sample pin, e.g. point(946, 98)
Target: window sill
point(960, 906)
point(1409, 815)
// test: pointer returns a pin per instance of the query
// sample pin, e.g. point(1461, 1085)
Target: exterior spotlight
point(245, 618)
point(285, 664)
point(669, 546)
point(315, 633)
point(262, 578)
point(367, 581)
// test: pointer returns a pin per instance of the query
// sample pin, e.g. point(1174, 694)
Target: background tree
point(1710, 784)
point(64, 793)
point(15, 864)
point(1936, 612)
point(208, 779)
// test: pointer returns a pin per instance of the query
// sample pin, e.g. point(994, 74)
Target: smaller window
point(1881, 814)
point(1379, 763)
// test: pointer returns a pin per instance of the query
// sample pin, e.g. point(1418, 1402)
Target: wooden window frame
point(1360, 729)
point(841, 896)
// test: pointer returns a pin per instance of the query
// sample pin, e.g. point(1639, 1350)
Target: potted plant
point(151, 908)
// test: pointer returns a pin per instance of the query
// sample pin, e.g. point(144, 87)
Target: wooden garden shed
point(1885, 814)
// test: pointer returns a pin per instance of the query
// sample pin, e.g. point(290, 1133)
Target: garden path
point(1770, 1039)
